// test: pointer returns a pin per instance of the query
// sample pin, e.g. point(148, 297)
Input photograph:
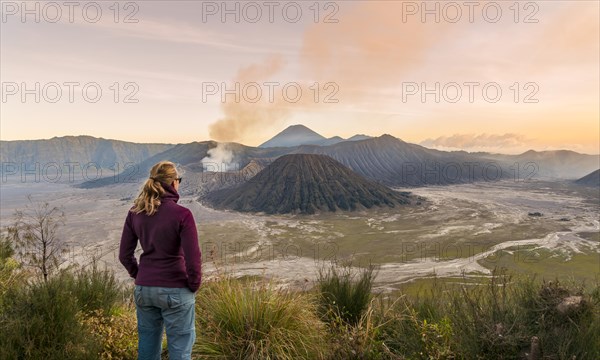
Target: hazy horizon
point(490, 76)
point(423, 143)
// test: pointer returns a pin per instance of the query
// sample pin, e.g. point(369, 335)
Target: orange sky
point(375, 58)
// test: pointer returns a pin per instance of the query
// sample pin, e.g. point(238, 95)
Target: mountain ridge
point(296, 135)
point(82, 149)
point(384, 159)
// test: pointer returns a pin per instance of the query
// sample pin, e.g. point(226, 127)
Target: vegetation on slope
point(81, 314)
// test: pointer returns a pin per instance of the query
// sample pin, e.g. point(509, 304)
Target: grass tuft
point(253, 320)
point(345, 293)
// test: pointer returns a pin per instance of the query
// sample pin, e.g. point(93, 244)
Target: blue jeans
point(170, 308)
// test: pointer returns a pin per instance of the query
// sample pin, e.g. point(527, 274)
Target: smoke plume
point(368, 49)
point(243, 117)
point(219, 159)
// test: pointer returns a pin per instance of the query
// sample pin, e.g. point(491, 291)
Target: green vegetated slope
point(86, 314)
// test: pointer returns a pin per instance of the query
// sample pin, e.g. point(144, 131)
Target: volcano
point(306, 184)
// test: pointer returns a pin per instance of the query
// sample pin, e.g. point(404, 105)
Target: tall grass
point(499, 320)
point(344, 292)
point(345, 305)
point(77, 315)
point(253, 320)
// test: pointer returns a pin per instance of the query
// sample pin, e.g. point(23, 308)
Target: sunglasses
point(179, 179)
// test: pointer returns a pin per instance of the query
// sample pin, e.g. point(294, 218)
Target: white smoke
point(219, 159)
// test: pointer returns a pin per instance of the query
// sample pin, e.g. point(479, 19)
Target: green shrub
point(117, 333)
point(40, 321)
point(96, 289)
point(51, 319)
point(250, 320)
point(344, 296)
point(10, 277)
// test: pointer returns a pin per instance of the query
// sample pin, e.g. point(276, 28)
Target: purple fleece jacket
point(171, 256)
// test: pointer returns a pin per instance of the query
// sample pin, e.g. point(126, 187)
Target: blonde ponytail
point(148, 200)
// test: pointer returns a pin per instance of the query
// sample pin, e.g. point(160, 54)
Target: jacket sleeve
point(191, 251)
point(127, 247)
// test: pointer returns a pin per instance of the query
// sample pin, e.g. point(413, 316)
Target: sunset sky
point(375, 58)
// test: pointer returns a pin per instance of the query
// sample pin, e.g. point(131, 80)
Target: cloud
point(367, 48)
point(571, 36)
point(160, 30)
point(371, 51)
point(481, 142)
point(371, 47)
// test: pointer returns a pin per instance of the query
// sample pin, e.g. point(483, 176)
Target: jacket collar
point(170, 192)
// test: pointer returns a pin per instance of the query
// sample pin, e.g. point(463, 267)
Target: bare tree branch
point(35, 235)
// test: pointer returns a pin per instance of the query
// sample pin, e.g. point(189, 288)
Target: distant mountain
point(592, 179)
point(564, 164)
point(246, 161)
point(394, 162)
point(304, 183)
point(358, 137)
point(330, 141)
point(385, 159)
point(293, 136)
point(297, 135)
point(81, 150)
